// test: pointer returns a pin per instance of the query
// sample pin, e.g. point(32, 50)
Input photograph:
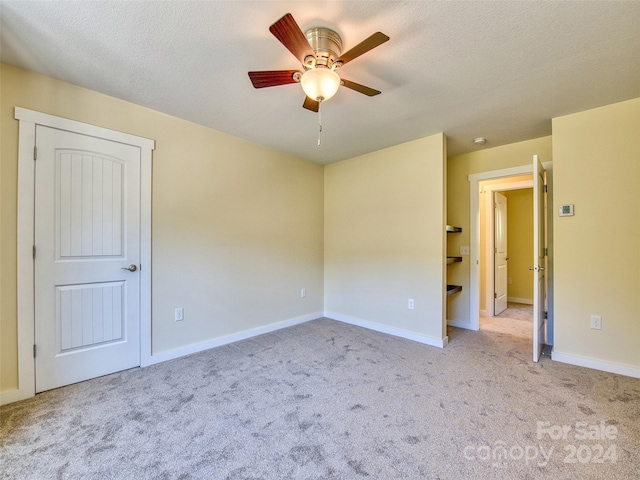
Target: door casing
point(26, 206)
point(474, 240)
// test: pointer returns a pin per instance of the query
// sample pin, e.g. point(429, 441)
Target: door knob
point(131, 268)
point(541, 269)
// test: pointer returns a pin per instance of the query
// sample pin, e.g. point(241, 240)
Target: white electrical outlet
point(596, 322)
point(303, 292)
point(179, 315)
point(410, 304)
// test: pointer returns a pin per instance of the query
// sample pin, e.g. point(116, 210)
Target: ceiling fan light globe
point(320, 83)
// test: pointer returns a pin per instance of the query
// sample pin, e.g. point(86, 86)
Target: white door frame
point(474, 234)
point(26, 228)
point(474, 240)
point(489, 245)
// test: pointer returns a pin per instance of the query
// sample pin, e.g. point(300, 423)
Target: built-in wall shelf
point(452, 289)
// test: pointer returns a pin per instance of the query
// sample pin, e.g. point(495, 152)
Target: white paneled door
point(500, 253)
point(87, 263)
point(539, 258)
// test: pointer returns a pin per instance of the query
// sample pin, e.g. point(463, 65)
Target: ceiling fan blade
point(370, 43)
point(360, 88)
point(288, 32)
point(272, 78)
point(311, 104)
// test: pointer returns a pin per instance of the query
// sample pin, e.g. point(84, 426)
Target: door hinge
point(495, 295)
point(546, 252)
point(546, 315)
point(34, 350)
point(34, 252)
point(545, 189)
point(35, 152)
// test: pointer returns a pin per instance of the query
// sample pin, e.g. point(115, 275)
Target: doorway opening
point(542, 264)
point(506, 243)
point(30, 122)
point(516, 321)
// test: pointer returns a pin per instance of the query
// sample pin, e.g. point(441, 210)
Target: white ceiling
point(500, 70)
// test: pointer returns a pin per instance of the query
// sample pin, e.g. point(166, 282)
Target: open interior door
point(539, 257)
point(500, 254)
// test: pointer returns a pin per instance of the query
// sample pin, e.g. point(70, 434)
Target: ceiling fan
point(319, 50)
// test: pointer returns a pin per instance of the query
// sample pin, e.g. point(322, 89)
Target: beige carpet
point(516, 320)
point(325, 400)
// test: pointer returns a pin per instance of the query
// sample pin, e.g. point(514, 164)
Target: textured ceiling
point(496, 69)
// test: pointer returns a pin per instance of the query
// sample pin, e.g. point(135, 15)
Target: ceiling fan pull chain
point(319, 123)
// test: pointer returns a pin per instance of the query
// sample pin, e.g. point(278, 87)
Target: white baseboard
point(16, 395)
point(610, 367)
point(460, 324)
point(9, 396)
point(397, 332)
point(526, 301)
point(234, 337)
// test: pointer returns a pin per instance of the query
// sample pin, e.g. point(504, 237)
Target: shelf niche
point(453, 289)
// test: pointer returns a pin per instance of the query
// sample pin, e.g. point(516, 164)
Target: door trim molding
point(474, 235)
point(29, 119)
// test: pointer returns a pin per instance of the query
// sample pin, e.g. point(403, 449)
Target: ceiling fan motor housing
point(327, 46)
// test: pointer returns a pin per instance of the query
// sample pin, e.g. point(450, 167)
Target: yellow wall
point(237, 227)
point(458, 170)
point(520, 243)
point(384, 241)
point(597, 251)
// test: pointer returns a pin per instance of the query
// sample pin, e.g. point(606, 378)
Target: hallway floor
point(516, 320)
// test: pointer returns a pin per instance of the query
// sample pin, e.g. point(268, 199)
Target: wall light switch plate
point(596, 322)
point(179, 314)
point(464, 251)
